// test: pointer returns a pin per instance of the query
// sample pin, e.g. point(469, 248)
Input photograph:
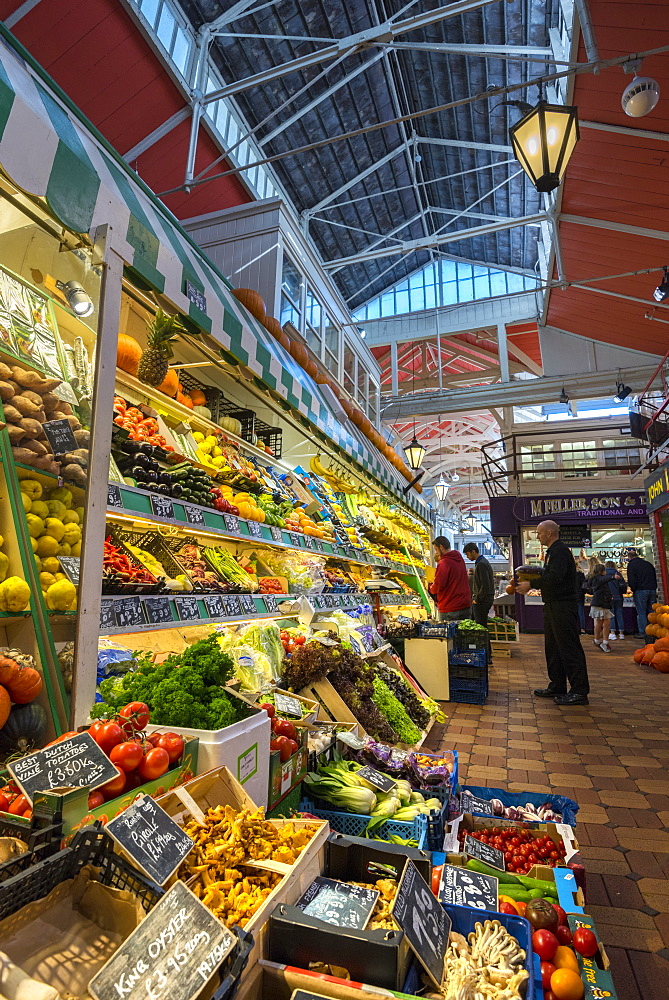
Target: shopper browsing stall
point(565, 659)
point(600, 606)
point(450, 587)
point(618, 589)
point(483, 584)
point(642, 581)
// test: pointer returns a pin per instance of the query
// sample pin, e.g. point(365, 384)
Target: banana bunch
point(337, 482)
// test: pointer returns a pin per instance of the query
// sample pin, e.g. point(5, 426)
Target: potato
point(31, 428)
point(36, 446)
point(82, 438)
point(6, 391)
point(50, 402)
point(5, 372)
point(24, 455)
point(48, 464)
point(25, 406)
point(12, 415)
point(31, 380)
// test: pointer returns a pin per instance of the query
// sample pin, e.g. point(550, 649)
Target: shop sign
point(657, 487)
point(591, 508)
point(196, 296)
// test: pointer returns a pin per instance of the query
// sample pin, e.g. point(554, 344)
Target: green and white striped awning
point(49, 150)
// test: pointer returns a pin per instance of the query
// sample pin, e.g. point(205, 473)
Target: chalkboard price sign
point(462, 887)
point(318, 544)
point(276, 533)
point(338, 903)
point(423, 920)
point(231, 523)
point(157, 610)
point(287, 705)
point(187, 609)
point(255, 529)
point(171, 955)
point(196, 296)
point(248, 604)
point(194, 515)
point(376, 778)
point(161, 506)
point(150, 836)
point(107, 616)
point(294, 539)
point(270, 604)
point(577, 536)
point(128, 612)
point(60, 437)
point(474, 805)
point(308, 541)
point(114, 495)
point(73, 763)
point(215, 607)
point(349, 552)
point(485, 853)
point(233, 607)
point(70, 567)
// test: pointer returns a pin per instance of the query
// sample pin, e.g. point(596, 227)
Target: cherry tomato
point(95, 799)
point(173, 744)
point(567, 985)
point(547, 970)
point(554, 854)
point(19, 805)
point(563, 934)
point(107, 735)
point(4, 802)
point(113, 787)
point(269, 708)
point(585, 942)
point(299, 640)
point(154, 764)
point(545, 944)
point(127, 755)
point(135, 716)
point(508, 908)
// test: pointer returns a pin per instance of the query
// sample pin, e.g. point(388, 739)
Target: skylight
point(443, 283)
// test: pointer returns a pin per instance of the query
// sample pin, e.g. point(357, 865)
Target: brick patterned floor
point(612, 758)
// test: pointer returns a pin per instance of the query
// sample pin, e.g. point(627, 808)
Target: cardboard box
point(309, 705)
point(283, 777)
point(595, 971)
point(71, 806)
point(271, 981)
point(558, 832)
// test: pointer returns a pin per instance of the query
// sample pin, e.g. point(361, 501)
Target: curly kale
point(395, 713)
point(405, 694)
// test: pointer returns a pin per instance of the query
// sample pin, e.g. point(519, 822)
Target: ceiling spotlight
point(622, 392)
point(415, 453)
point(543, 140)
point(662, 291)
point(564, 398)
point(79, 300)
point(441, 489)
point(455, 478)
point(640, 96)
point(363, 334)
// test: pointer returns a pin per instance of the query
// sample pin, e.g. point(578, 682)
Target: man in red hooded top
point(450, 587)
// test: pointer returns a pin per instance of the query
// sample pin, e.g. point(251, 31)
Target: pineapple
point(154, 362)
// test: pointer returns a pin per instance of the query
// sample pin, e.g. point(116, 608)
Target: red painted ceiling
point(97, 54)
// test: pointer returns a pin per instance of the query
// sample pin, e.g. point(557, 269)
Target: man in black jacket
point(483, 584)
point(565, 658)
point(642, 580)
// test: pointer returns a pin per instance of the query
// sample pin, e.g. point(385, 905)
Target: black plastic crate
point(189, 382)
point(465, 638)
point(221, 407)
point(43, 839)
point(270, 436)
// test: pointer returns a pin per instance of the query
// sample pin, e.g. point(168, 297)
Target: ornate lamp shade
point(415, 453)
point(543, 141)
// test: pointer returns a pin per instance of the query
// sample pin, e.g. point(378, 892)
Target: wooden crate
point(502, 633)
point(502, 650)
point(332, 707)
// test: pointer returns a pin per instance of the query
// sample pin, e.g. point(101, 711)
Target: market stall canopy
point(50, 151)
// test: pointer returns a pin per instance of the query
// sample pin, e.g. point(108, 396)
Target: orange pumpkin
point(170, 386)
point(661, 646)
point(185, 400)
point(661, 662)
point(299, 352)
point(322, 379)
point(253, 301)
point(128, 353)
point(5, 706)
point(8, 670)
point(648, 654)
point(25, 686)
point(652, 618)
point(198, 398)
point(273, 326)
point(637, 656)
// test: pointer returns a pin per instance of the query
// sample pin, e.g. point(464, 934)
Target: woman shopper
point(600, 606)
point(618, 588)
point(580, 592)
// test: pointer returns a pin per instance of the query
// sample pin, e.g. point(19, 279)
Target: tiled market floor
point(612, 757)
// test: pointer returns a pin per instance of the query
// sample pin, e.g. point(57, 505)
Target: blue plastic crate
point(468, 658)
point(561, 803)
point(354, 825)
point(437, 630)
point(464, 919)
point(469, 692)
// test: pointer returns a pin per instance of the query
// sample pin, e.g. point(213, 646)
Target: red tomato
point(19, 805)
point(113, 787)
point(585, 942)
point(282, 744)
point(127, 756)
point(173, 744)
point(299, 640)
point(547, 970)
point(28, 813)
point(545, 944)
point(269, 708)
point(154, 764)
point(137, 715)
point(285, 728)
point(563, 934)
point(294, 747)
point(95, 799)
point(154, 738)
point(108, 735)
point(4, 802)
point(562, 915)
point(508, 908)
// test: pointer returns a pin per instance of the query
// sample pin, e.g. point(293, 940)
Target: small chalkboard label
point(376, 778)
point(114, 495)
point(157, 610)
point(215, 607)
point(194, 515)
point(77, 762)
point(338, 903)
point(351, 740)
point(128, 612)
point(60, 437)
point(349, 552)
point(151, 837)
point(196, 296)
point(270, 604)
point(248, 604)
point(308, 541)
point(107, 616)
point(187, 609)
point(474, 805)
point(287, 705)
point(233, 607)
point(255, 529)
point(424, 921)
point(231, 523)
point(70, 566)
point(276, 533)
point(173, 952)
point(484, 852)
point(462, 887)
point(294, 539)
point(318, 544)
point(161, 506)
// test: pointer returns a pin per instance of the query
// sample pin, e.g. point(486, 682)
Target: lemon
point(46, 546)
point(56, 508)
point(32, 487)
point(46, 579)
point(54, 527)
point(64, 549)
point(60, 596)
point(38, 563)
point(70, 517)
point(14, 594)
point(35, 525)
point(198, 436)
point(71, 534)
point(27, 503)
point(76, 549)
point(40, 508)
point(216, 451)
point(63, 494)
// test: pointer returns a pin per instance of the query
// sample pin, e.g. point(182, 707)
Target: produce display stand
point(427, 660)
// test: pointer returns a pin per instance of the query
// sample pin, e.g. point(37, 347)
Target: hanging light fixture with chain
point(543, 141)
point(414, 452)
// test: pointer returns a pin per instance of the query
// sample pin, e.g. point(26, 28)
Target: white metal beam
point(235, 12)
point(493, 147)
point(618, 227)
point(437, 240)
point(20, 12)
point(502, 352)
point(371, 169)
point(158, 133)
point(630, 133)
point(467, 214)
point(382, 239)
point(526, 52)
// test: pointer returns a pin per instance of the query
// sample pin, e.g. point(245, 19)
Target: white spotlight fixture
point(455, 478)
point(662, 291)
point(640, 96)
point(564, 398)
point(78, 298)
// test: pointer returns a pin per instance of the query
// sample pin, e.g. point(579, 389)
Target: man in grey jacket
point(483, 584)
